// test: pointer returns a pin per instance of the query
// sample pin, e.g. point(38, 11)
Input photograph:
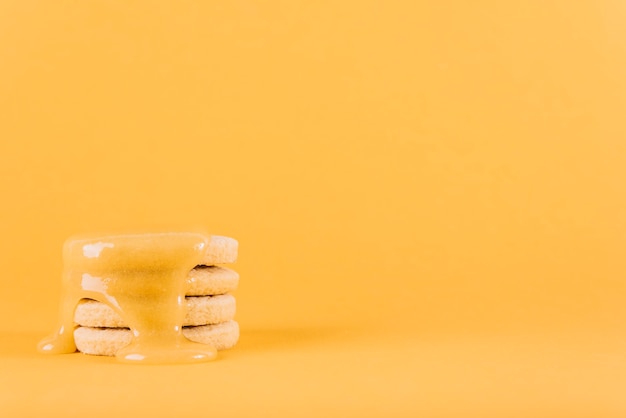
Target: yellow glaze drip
point(142, 277)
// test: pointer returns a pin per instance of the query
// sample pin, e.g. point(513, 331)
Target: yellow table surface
point(429, 199)
point(333, 371)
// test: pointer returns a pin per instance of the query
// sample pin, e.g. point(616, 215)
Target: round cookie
point(201, 310)
point(211, 280)
point(107, 341)
point(221, 250)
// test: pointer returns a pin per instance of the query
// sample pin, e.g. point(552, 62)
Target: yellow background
point(428, 195)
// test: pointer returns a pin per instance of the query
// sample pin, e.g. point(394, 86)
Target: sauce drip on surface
point(141, 277)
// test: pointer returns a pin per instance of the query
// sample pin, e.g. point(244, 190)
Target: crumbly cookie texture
point(200, 310)
point(221, 250)
point(107, 341)
point(211, 280)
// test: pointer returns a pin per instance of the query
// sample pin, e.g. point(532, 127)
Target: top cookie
point(221, 250)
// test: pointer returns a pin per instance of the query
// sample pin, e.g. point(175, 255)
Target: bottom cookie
point(107, 341)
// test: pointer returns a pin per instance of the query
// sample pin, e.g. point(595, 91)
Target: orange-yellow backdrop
point(429, 198)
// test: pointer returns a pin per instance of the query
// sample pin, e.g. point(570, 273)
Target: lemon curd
point(141, 277)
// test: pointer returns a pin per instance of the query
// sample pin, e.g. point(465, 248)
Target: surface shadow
point(24, 345)
point(278, 339)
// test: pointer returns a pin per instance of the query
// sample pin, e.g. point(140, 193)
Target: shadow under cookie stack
point(209, 308)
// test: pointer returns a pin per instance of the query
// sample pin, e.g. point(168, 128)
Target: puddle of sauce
point(141, 277)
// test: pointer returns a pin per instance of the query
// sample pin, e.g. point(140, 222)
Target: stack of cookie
point(210, 308)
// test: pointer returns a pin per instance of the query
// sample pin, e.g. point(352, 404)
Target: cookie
point(200, 310)
point(211, 280)
point(107, 341)
point(221, 250)
point(145, 276)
